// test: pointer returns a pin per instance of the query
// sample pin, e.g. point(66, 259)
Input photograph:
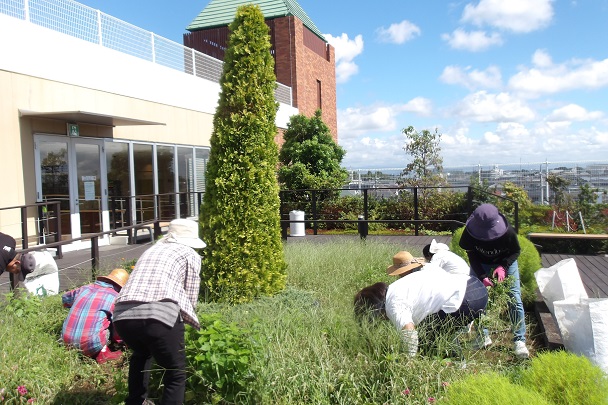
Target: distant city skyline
point(518, 80)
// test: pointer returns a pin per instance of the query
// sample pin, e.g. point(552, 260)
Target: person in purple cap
point(493, 248)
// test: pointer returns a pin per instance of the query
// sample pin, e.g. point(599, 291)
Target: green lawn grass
point(310, 348)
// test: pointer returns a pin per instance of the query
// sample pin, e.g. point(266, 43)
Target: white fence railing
point(80, 21)
point(532, 177)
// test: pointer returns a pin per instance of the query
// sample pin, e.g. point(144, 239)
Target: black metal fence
point(311, 201)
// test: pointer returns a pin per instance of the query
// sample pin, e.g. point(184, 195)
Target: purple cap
point(486, 223)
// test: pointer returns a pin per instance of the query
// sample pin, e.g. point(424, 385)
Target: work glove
point(410, 338)
point(499, 273)
point(486, 281)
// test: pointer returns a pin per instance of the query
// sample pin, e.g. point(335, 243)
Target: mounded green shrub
point(529, 262)
point(491, 389)
point(240, 218)
point(565, 378)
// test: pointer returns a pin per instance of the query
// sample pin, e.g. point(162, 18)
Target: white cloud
point(474, 41)
point(573, 112)
point(356, 121)
point(398, 33)
point(541, 59)
point(346, 51)
point(487, 107)
point(519, 16)
point(374, 151)
point(419, 105)
point(549, 78)
point(490, 138)
point(472, 79)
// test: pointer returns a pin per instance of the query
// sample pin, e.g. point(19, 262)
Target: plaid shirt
point(86, 326)
point(166, 271)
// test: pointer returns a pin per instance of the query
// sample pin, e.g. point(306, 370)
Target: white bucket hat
point(184, 231)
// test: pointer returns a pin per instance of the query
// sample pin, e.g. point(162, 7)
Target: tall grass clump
point(565, 378)
point(34, 365)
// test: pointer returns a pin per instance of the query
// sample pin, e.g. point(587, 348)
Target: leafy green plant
point(565, 378)
point(22, 305)
point(219, 358)
point(491, 389)
point(240, 219)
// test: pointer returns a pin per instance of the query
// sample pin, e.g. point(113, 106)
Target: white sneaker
point(520, 349)
point(481, 342)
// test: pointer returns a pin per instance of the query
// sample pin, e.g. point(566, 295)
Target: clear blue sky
point(515, 81)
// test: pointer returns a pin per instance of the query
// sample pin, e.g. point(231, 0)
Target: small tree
point(515, 194)
point(586, 200)
point(426, 168)
point(309, 158)
point(558, 185)
point(240, 218)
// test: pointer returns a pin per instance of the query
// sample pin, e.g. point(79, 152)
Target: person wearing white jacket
point(440, 254)
point(420, 292)
point(44, 280)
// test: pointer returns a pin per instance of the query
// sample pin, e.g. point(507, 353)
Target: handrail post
point(94, 256)
point(24, 227)
point(516, 216)
point(416, 216)
point(59, 251)
point(469, 200)
point(365, 204)
point(314, 211)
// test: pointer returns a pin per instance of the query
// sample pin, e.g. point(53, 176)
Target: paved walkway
point(75, 266)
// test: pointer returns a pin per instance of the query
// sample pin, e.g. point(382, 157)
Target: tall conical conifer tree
point(240, 217)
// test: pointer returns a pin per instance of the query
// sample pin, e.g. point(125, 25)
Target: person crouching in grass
point(421, 291)
point(88, 326)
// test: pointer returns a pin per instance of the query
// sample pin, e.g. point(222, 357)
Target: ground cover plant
point(301, 346)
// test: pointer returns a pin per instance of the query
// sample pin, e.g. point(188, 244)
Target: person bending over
point(418, 294)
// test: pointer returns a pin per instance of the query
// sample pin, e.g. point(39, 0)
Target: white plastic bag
point(583, 325)
point(560, 282)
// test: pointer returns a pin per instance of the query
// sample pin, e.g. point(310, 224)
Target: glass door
point(88, 202)
point(71, 170)
point(53, 180)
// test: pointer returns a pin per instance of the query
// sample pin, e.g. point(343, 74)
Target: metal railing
point(532, 177)
point(47, 218)
point(314, 197)
point(80, 21)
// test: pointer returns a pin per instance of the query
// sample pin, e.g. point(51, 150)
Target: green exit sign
point(73, 130)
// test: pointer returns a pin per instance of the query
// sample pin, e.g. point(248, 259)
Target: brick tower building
point(304, 60)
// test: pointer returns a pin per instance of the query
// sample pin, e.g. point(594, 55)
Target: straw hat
point(403, 263)
point(117, 276)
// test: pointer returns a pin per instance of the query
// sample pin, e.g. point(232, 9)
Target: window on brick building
point(319, 94)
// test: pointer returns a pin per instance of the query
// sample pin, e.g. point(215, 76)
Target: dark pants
point(148, 339)
point(474, 302)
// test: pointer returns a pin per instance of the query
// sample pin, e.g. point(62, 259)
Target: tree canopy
point(310, 158)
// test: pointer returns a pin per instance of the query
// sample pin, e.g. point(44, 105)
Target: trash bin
point(296, 228)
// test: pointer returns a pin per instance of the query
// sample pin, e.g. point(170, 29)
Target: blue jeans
point(515, 306)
